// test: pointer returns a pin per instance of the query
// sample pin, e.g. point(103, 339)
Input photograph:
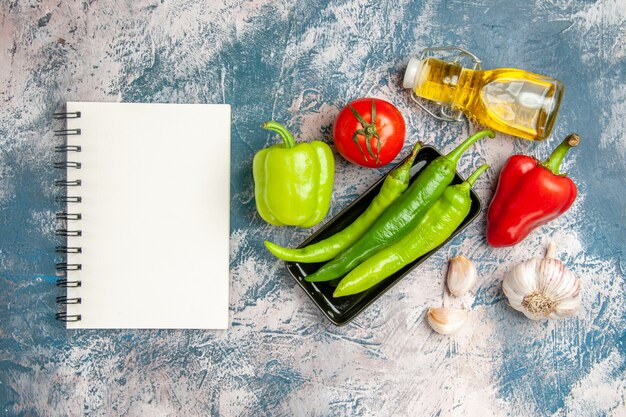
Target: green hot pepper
point(293, 183)
point(402, 215)
point(439, 222)
point(395, 183)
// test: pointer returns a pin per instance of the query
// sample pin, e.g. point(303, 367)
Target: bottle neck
point(444, 82)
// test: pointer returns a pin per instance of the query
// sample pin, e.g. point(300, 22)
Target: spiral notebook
point(144, 215)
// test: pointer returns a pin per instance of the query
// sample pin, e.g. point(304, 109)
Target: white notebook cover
point(155, 185)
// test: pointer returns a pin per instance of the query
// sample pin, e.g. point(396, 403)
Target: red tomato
point(367, 142)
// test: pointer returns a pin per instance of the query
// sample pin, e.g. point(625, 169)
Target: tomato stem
point(368, 131)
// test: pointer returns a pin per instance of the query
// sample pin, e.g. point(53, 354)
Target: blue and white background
point(299, 62)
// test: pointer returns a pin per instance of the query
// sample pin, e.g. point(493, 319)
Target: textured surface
point(299, 63)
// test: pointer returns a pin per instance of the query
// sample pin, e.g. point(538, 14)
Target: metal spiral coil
point(67, 183)
point(66, 115)
point(67, 164)
point(69, 216)
point(65, 283)
point(68, 148)
point(67, 317)
point(64, 266)
point(67, 132)
point(64, 217)
point(69, 300)
point(67, 233)
point(68, 199)
point(68, 249)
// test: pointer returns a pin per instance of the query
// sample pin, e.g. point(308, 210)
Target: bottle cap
point(413, 69)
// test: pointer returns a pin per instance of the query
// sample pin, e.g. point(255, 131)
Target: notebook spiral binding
point(64, 217)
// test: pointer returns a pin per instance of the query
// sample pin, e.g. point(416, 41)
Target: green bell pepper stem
point(439, 222)
point(553, 163)
point(402, 215)
point(395, 183)
point(282, 131)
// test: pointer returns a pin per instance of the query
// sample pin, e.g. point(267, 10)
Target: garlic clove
point(520, 282)
point(551, 270)
point(526, 274)
point(446, 320)
point(566, 308)
point(515, 285)
point(461, 275)
point(559, 283)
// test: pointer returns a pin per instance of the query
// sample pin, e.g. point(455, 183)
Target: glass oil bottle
point(512, 101)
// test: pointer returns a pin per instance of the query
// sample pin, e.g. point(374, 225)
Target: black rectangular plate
point(341, 310)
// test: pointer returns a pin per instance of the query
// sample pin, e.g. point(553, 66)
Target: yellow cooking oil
point(512, 101)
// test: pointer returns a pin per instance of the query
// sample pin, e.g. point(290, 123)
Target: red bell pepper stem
point(456, 153)
point(553, 163)
point(282, 131)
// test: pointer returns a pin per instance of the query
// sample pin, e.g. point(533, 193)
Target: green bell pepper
point(293, 183)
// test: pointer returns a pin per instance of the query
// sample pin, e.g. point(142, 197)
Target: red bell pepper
point(530, 193)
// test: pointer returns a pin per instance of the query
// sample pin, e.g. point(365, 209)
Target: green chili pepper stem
point(553, 163)
point(469, 183)
point(282, 131)
point(403, 172)
point(456, 153)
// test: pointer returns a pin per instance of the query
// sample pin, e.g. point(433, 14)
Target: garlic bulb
point(446, 320)
point(543, 288)
point(461, 275)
